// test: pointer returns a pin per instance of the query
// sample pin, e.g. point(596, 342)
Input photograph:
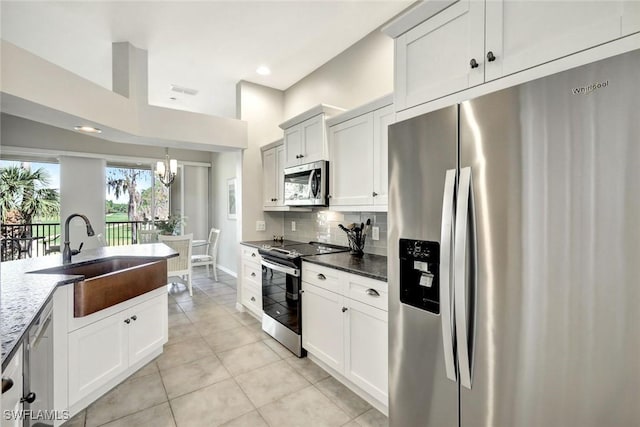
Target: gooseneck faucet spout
point(67, 252)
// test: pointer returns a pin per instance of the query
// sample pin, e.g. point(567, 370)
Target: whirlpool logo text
point(588, 89)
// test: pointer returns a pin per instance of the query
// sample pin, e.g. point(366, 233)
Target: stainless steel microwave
point(307, 185)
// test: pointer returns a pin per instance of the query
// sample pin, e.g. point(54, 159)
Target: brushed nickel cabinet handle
point(372, 292)
point(344, 309)
point(127, 321)
point(253, 274)
point(322, 276)
point(490, 56)
point(253, 299)
point(253, 255)
point(134, 317)
point(473, 63)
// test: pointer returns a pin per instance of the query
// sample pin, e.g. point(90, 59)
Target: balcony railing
point(38, 239)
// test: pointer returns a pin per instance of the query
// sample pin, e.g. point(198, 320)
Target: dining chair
point(210, 256)
point(148, 236)
point(179, 266)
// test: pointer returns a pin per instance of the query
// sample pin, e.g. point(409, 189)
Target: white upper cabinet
point(446, 47)
point(433, 59)
point(273, 175)
point(294, 145)
point(351, 164)
point(358, 157)
point(305, 136)
point(269, 178)
point(382, 118)
point(523, 34)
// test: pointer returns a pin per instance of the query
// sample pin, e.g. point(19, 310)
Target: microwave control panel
point(419, 274)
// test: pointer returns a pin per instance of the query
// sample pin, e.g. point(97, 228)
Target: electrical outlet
point(375, 233)
point(261, 226)
point(293, 226)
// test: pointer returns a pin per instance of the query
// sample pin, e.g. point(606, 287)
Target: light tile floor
point(219, 368)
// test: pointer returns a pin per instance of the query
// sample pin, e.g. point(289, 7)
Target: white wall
point(196, 201)
point(360, 74)
point(40, 90)
point(262, 108)
point(82, 190)
point(225, 166)
point(19, 132)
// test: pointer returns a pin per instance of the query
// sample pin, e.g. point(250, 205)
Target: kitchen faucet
point(67, 252)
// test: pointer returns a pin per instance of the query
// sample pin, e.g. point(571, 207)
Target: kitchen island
point(94, 350)
point(23, 294)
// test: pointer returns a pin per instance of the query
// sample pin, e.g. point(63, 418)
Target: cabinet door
point(314, 140)
point(97, 353)
point(11, 405)
point(630, 17)
point(382, 118)
point(351, 164)
point(433, 59)
point(323, 325)
point(280, 162)
point(269, 171)
point(523, 34)
point(148, 328)
point(366, 343)
point(252, 296)
point(293, 145)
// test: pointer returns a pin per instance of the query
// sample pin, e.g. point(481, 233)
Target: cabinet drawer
point(252, 272)
point(252, 297)
point(324, 277)
point(367, 291)
point(249, 253)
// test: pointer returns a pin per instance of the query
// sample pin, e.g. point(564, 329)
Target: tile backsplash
point(322, 226)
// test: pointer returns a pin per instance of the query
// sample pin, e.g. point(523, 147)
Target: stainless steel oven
point(281, 301)
point(307, 185)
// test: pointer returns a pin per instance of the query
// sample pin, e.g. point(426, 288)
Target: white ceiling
point(205, 45)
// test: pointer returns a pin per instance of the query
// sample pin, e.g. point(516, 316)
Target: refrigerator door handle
point(465, 227)
point(446, 234)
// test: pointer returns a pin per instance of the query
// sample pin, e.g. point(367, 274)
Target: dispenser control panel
point(419, 274)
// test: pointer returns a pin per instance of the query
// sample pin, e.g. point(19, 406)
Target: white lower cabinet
point(366, 339)
point(346, 329)
point(11, 399)
point(251, 279)
point(106, 348)
point(322, 322)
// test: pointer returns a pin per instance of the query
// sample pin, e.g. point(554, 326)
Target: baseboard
point(354, 388)
point(229, 272)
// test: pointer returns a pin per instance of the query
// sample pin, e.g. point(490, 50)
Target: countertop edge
point(346, 269)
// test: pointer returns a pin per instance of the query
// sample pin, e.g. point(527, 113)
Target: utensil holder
point(356, 243)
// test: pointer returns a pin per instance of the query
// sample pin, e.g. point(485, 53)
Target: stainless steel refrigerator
point(514, 256)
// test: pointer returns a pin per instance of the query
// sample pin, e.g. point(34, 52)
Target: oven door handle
point(281, 268)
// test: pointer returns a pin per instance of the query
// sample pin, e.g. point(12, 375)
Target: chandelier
point(166, 170)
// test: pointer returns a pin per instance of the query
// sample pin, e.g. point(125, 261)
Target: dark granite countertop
point(369, 265)
point(275, 244)
point(23, 294)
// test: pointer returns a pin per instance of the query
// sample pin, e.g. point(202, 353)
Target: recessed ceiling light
point(87, 129)
point(173, 98)
point(263, 70)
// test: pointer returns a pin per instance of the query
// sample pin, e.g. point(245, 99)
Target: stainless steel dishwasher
point(38, 371)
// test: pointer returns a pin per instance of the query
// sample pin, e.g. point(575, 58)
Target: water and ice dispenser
point(419, 274)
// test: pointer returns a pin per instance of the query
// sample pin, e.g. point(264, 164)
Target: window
point(134, 199)
point(30, 208)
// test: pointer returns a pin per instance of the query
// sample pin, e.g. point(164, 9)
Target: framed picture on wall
point(231, 199)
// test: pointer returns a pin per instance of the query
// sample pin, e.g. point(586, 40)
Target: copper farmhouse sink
point(111, 281)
